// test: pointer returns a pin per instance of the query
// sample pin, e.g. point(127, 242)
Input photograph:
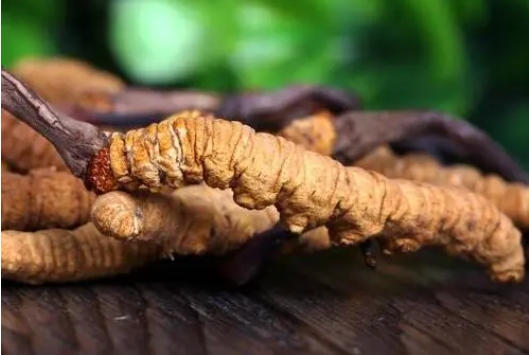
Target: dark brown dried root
point(139, 107)
point(273, 111)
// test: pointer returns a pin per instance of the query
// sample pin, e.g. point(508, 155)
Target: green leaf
point(22, 39)
point(440, 34)
point(274, 50)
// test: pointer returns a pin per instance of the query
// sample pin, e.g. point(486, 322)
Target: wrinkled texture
point(59, 255)
point(510, 198)
point(310, 190)
point(45, 198)
point(202, 221)
point(192, 220)
point(315, 132)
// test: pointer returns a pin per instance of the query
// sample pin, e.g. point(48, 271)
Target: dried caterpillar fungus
point(59, 255)
point(511, 198)
point(316, 132)
point(202, 221)
point(191, 220)
point(44, 198)
point(309, 190)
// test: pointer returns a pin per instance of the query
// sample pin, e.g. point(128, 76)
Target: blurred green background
point(469, 58)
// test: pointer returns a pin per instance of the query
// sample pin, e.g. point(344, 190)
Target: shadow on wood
point(327, 303)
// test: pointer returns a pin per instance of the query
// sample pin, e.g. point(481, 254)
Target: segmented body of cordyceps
point(193, 220)
point(45, 198)
point(146, 227)
point(316, 132)
point(309, 190)
point(510, 198)
point(59, 255)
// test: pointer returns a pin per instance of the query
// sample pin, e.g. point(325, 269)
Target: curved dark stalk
point(272, 111)
point(77, 142)
point(247, 262)
point(361, 132)
point(140, 107)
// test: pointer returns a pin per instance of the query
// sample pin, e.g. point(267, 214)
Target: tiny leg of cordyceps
point(246, 263)
point(361, 132)
point(272, 111)
point(366, 248)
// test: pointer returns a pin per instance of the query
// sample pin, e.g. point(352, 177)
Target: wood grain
point(327, 303)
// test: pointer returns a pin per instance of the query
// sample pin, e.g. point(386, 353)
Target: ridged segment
point(511, 198)
point(59, 255)
point(310, 190)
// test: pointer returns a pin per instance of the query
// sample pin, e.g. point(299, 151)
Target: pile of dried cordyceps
point(245, 175)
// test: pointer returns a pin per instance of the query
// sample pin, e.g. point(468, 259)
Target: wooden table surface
point(327, 303)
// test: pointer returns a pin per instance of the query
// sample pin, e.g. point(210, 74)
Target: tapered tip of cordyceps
point(99, 176)
point(510, 269)
point(509, 277)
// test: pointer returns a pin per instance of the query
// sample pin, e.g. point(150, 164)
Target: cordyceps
point(309, 190)
point(511, 198)
point(199, 220)
point(45, 198)
point(202, 221)
point(317, 133)
point(61, 255)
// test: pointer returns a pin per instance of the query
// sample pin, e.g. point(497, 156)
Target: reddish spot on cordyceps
point(99, 177)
